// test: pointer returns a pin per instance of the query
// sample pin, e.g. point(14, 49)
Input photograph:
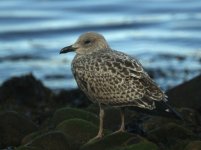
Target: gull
point(110, 77)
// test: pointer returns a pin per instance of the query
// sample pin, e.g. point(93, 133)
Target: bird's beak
point(67, 49)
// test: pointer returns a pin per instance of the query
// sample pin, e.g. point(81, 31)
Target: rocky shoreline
point(32, 117)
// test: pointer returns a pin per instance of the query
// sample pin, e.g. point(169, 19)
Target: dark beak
point(67, 49)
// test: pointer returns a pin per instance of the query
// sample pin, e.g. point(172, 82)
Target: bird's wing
point(131, 67)
point(115, 78)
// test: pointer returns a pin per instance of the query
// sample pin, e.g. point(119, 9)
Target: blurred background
point(165, 35)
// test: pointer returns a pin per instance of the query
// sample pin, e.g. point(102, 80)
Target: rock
point(194, 145)
point(190, 116)
point(170, 134)
point(28, 96)
point(74, 97)
point(79, 131)
point(54, 140)
point(24, 90)
point(29, 137)
point(144, 145)
point(181, 144)
point(13, 127)
point(70, 113)
point(119, 141)
point(112, 120)
point(187, 94)
point(154, 122)
point(28, 148)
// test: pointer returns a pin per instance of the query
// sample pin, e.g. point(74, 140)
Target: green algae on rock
point(154, 122)
point(29, 137)
point(112, 119)
point(28, 148)
point(119, 141)
point(143, 145)
point(13, 127)
point(194, 145)
point(78, 131)
point(70, 113)
point(54, 140)
point(170, 134)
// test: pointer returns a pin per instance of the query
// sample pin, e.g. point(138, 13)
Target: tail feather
point(162, 109)
point(171, 110)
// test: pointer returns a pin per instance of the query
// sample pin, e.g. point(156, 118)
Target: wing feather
point(114, 78)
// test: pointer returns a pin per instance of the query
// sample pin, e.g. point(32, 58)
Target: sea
point(164, 35)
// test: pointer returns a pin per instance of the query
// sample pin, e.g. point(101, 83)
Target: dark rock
point(181, 144)
point(74, 97)
point(29, 137)
point(56, 76)
point(29, 96)
point(112, 118)
point(170, 134)
point(23, 57)
point(120, 141)
point(54, 140)
point(67, 113)
point(28, 148)
point(154, 122)
point(143, 145)
point(194, 145)
point(13, 127)
point(190, 116)
point(24, 90)
point(187, 94)
point(78, 131)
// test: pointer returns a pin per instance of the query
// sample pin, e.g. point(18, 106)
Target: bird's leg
point(122, 127)
point(100, 132)
point(101, 117)
point(122, 114)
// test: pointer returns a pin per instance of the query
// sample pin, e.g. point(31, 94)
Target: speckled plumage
point(114, 78)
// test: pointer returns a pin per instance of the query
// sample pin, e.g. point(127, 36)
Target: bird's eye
point(87, 42)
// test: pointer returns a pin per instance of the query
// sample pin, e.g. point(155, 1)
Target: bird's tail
point(171, 110)
point(162, 109)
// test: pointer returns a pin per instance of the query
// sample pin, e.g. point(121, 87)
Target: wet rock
point(73, 97)
point(154, 122)
point(190, 116)
point(24, 57)
point(170, 134)
point(70, 113)
point(56, 76)
point(120, 141)
point(24, 90)
point(143, 145)
point(13, 127)
point(54, 140)
point(112, 118)
point(28, 96)
point(28, 148)
point(187, 94)
point(79, 131)
point(194, 145)
point(29, 137)
point(181, 144)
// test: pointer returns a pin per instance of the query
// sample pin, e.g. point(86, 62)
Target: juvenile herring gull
point(110, 77)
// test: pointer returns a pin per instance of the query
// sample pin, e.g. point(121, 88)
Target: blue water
point(165, 35)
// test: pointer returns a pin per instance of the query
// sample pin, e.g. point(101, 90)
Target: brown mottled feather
point(114, 78)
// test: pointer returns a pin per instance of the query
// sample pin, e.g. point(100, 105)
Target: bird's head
point(87, 43)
